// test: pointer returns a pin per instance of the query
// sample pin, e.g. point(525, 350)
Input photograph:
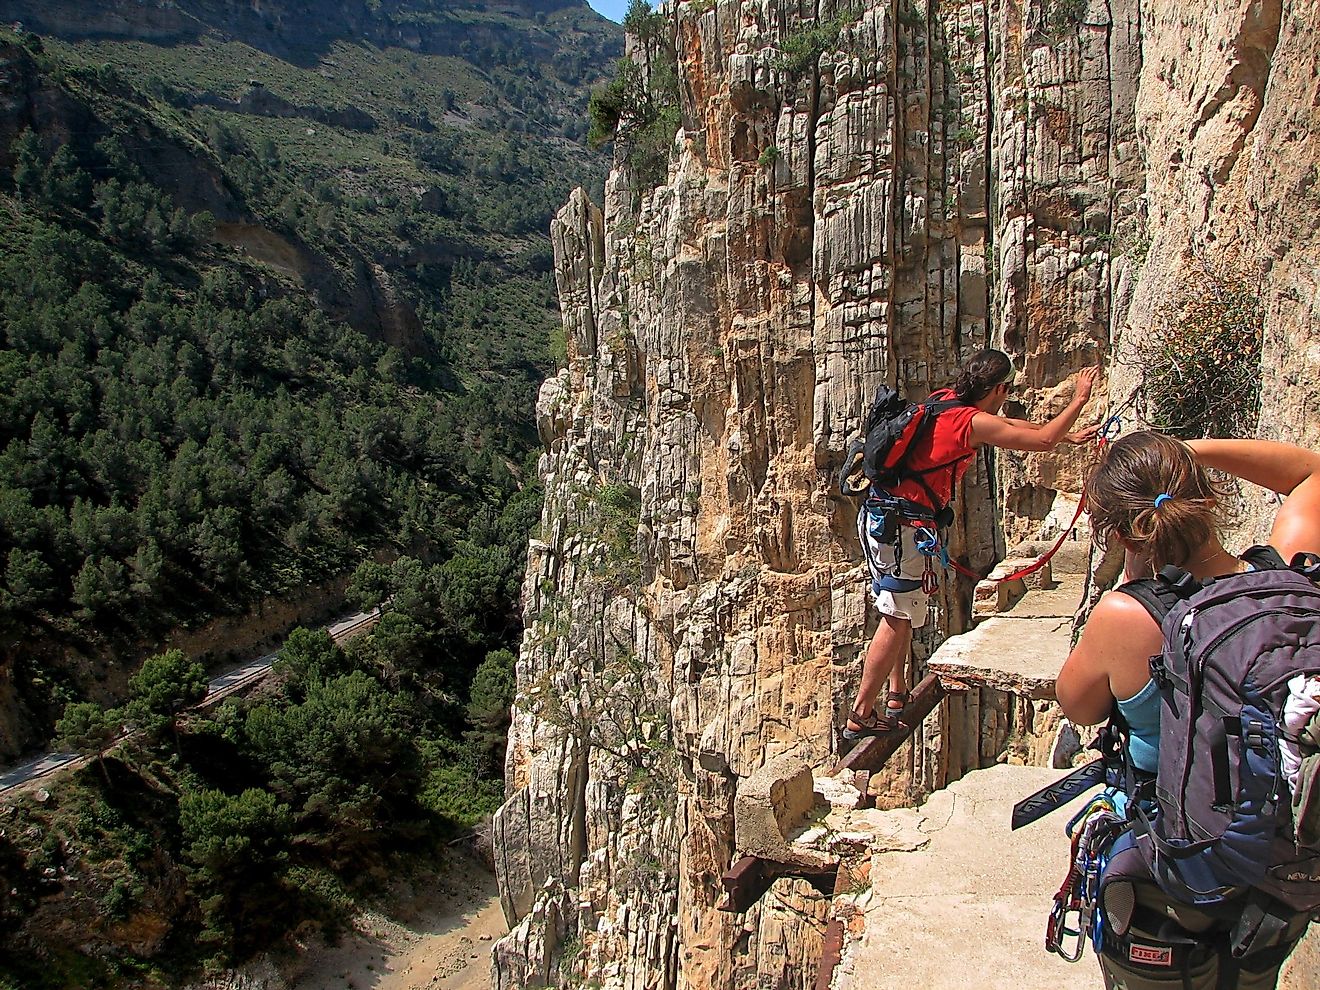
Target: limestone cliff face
point(1025, 174)
point(1227, 118)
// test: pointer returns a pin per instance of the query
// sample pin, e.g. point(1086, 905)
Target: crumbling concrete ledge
point(1024, 627)
point(1020, 656)
point(770, 806)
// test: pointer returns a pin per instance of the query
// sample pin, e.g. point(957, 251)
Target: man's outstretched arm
point(996, 431)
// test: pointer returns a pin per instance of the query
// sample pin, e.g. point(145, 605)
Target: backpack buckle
point(1180, 581)
point(1159, 673)
point(1254, 735)
point(1306, 564)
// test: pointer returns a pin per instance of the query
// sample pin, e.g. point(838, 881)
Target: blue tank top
point(1142, 712)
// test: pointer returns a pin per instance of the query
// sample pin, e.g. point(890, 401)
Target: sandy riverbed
point(434, 936)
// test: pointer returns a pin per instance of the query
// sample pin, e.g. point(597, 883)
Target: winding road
point(231, 682)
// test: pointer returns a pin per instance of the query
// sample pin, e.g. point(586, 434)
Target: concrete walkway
point(957, 900)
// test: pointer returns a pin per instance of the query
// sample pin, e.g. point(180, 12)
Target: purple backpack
point(1223, 820)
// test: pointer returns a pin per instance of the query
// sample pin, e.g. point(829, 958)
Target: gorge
point(855, 195)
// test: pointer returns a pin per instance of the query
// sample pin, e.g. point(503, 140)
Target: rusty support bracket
point(832, 948)
point(830, 954)
point(872, 752)
point(750, 877)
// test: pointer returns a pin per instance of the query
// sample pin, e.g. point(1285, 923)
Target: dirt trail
point(433, 938)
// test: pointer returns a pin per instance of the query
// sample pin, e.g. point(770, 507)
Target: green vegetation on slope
point(179, 436)
point(220, 835)
point(274, 302)
point(190, 425)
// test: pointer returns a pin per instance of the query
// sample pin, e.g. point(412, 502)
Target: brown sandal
point(871, 725)
point(902, 697)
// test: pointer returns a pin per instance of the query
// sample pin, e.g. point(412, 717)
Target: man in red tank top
point(941, 459)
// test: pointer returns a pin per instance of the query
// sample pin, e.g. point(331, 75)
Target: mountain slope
point(232, 169)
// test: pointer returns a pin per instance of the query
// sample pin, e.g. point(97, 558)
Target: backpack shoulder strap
point(1265, 558)
point(1154, 595)
point(942, 399)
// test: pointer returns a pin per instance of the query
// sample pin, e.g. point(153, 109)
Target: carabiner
point(930, 581)
point(927, 541)
point(1054, 925)
point(1057, 927)
point(1079, 944)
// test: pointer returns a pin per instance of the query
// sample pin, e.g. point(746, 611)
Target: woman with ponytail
point(935, 466)
point(1152, 495)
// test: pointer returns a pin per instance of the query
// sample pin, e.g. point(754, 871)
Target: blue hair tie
point(1161, 498)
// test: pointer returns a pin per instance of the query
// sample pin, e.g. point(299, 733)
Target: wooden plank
point(872, 752)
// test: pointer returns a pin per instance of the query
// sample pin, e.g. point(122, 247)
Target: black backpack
point(1224, 824)
point(891, 430)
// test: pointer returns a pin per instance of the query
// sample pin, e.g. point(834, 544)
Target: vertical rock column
point(695, 601)
point(1055, 121)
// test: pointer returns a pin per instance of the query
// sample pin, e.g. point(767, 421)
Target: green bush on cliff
point(1063, 17)
point(458, 786)
point(236, 850)
point(89, 729)
point(1200, 360)
point(639, 108)
point(801, 48)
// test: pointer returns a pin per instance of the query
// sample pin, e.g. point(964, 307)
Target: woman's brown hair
point(982, 372)
point(1134, 471)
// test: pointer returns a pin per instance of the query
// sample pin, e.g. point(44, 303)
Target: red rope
point(1034, 566)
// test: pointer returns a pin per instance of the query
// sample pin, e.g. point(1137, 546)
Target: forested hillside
point(275, 298)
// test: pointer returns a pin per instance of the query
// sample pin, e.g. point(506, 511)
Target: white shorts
point(902, 561)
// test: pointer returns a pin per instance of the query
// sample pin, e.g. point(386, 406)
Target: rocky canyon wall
point(1035, 175)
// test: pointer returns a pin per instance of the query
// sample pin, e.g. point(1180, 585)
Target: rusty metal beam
point(750, 877)
point(744, 884)
point(872, 752)
point(830, 954)
point(831, 950)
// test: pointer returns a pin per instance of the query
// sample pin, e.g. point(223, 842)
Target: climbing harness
point(1092, 831)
